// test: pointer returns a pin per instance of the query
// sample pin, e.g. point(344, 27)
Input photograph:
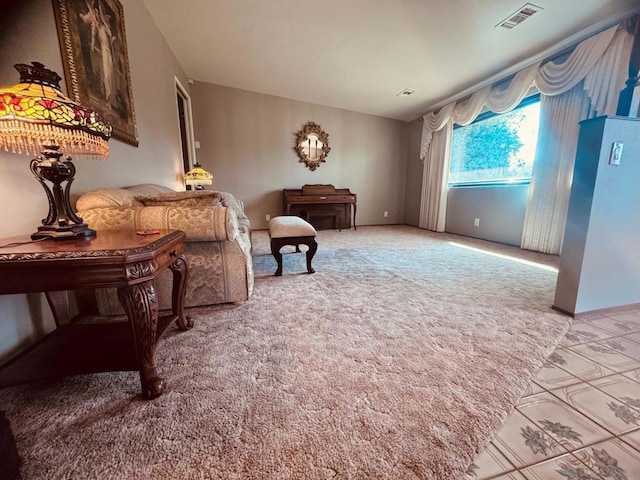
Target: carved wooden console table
point(119, 259)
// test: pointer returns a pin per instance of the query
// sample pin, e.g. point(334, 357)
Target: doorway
point(185, 122)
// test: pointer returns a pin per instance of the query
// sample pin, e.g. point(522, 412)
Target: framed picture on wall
point(94, 53)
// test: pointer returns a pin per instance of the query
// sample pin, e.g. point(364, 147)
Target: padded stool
point(294, 231)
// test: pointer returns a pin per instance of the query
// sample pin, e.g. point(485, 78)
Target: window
point(496, 148)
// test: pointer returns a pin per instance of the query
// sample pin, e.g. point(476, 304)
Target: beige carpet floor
point(398, 359)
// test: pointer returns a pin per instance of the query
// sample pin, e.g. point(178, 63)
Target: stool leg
point(313, 247)
point(275, 251)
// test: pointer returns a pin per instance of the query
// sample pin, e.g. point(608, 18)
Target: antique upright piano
point(324, 206)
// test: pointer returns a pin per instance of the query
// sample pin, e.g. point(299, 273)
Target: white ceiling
point(358, 54)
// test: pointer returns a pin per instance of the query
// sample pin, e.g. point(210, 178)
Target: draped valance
point(549, 78)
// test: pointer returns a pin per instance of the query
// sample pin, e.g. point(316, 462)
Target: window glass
point(496, 147)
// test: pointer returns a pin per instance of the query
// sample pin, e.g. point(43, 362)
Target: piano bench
point(333, 212)
point(294, 231)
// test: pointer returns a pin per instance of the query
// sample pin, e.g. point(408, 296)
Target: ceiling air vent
point(519, 16)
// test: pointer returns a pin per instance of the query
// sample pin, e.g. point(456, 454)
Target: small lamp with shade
point(197, 177)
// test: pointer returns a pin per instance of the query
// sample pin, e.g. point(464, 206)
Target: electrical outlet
point(386, 214)
point(267, 217)
point(476, 222)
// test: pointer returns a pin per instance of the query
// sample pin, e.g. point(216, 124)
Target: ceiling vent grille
point(519, 16)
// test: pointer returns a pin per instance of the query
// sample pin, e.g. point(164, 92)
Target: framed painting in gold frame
point(96, 64)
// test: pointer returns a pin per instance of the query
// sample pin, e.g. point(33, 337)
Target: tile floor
point(580, 419)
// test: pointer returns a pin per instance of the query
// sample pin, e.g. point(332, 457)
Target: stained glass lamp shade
point(36, 117)
point(197, 177)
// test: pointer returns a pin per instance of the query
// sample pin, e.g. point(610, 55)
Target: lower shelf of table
point(73, 350)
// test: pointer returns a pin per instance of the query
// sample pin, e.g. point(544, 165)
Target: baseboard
point(562, 310)
point(599, 312)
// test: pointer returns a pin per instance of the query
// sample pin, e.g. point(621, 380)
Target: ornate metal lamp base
point(68, 232)
point(61, 223)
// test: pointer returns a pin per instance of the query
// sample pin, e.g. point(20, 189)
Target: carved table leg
point(59, 303)
point(141, 305)
point(180, 269)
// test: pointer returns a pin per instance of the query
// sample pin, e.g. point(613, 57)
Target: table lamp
point(35, 116)
point(197, 177)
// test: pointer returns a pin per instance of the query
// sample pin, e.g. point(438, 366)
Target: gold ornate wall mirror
point(312, 145)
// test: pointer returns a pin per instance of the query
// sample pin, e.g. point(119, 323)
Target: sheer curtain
point(609, 49)
point(550, 186)
point(595, 94)
point(435, 175)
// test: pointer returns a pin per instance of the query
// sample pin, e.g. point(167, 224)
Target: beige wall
point(247, 142)
point(157, 159)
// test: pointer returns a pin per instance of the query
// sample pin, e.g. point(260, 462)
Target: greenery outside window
point(496, 148)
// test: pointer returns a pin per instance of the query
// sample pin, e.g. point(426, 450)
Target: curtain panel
point(435, 175)
point(550, 187)
point(608, 50)
point(596, 94)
